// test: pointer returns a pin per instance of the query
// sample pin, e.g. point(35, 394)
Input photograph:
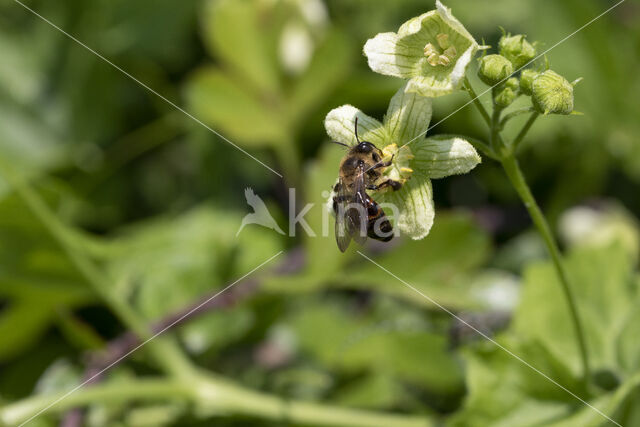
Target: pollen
point(443, 40)
point(443, 56)
point(400, 169)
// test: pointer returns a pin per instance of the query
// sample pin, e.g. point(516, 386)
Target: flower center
point(442, 56)
point(399, 169)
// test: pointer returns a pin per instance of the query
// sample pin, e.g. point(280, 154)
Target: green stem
point(476, 101)
point(517, 179)
point(112, 393)
point(211, 395)
point(524, 131)
point(495, 140)
point(167, 354)
point(513, 171)
point(513, 114)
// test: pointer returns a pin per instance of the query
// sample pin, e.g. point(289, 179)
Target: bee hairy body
point(358, 216)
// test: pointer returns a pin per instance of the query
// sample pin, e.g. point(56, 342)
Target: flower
point(432, 50)
point(416, 159)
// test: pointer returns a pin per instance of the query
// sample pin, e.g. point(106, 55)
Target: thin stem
point(513, 171)
point(212, 395)
point(524, 131)
point(166, 353)
point(116, 392)
point(476, 101)
point(513, 114)
point(496, 141)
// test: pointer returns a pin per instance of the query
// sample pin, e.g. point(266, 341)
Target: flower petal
point(414, 25)
point(413, 205)
point(340, 126)
point(442, 156)
point(408, 116)
point(446, 15)
point(386, 57)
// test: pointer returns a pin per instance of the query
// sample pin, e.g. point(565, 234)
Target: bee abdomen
point(378, 226)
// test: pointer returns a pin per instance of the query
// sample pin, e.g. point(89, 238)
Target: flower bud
point(526, 80)
point(494, 68)
point(512, 83)
point(552, 93)
point(516, 49)
point(505, 97)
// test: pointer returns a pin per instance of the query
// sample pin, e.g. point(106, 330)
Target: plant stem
point(476, 101)
point(116, 392)
point(210, 395)
point(166, 353)
point(513, 171)
point(513, 114)
point(506, 153)
point(524, 131)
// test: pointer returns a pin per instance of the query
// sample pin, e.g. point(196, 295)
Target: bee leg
point(395, 185)
point(383, 164)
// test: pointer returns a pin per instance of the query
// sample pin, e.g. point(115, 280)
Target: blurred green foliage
point(155, 200)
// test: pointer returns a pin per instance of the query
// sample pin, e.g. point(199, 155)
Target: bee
point(358, 216)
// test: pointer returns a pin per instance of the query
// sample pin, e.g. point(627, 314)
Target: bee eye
point(365, 147)
point(376, 158)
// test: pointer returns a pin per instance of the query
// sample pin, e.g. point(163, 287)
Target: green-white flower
point(432, 50)
point(416, 160)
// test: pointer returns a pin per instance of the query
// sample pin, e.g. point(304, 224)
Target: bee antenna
point(356, 130)
point(340, 143)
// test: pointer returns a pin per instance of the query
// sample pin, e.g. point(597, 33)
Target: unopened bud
point(494, 68)
point(512, 83)
point(552, 93)
point(517, 50)
point(505, 97)
point(526, 80)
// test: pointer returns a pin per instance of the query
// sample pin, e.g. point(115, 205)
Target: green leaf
point(216, 329)
point(605, 297)
point(173, 262)
point(236, 32)
point(323, 256)
point(352, 343)
point(329, 66)
point(449, 259)
point(225, 104)
point(505, 392)
point(33, 318)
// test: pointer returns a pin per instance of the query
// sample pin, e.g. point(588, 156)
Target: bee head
point(366, 147)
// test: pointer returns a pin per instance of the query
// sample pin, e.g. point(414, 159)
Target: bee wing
point(351, 214)
point(343, 238)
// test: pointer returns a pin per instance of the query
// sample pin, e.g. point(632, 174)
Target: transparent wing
point(343, 199)
point(357, 214)
point(351, 214)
